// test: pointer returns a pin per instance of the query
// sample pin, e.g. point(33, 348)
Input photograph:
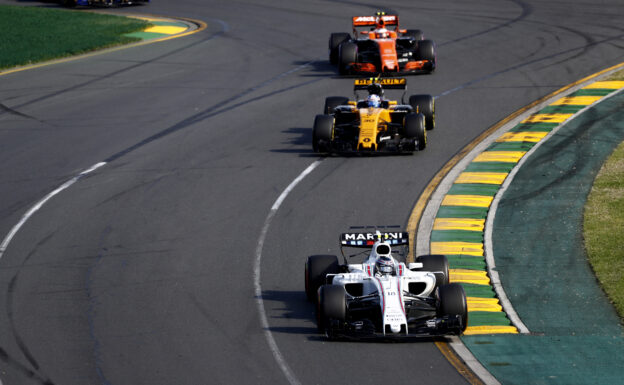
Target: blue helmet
point(374, 101)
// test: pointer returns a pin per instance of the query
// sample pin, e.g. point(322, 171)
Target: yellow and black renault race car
point(374, 124)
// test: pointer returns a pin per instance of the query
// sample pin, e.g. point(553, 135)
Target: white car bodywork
point(392, 287)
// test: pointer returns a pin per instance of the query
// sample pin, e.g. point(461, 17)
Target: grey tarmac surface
point(142, 273)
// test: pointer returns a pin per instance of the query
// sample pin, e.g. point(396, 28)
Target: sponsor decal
point(383, 82)
point(372, 236)
point(372, 19)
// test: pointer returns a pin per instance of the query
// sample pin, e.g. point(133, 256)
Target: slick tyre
point(332, 305)
point(425, 104)
point(437, 264)
point(452, 299)
point(335, 39)
point(332, 102)
point(414, 128)
point(316, 268)
point(347, 54)
point(426, 51)
point(322, 133)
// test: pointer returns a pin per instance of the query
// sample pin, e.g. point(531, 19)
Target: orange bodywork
point(415, 65)
point(387, 46)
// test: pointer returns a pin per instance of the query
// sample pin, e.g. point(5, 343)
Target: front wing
point(365, 329)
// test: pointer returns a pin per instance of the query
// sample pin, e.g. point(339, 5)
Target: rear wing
point(367, 240)
point(386, 84)
point(364, 21)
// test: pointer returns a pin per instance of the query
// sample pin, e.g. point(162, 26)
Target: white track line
point(7, 240)
point(38, 205)
point(279, 358)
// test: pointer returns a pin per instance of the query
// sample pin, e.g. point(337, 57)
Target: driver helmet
point(384, 265)
point(381, 33)
point(374, 101)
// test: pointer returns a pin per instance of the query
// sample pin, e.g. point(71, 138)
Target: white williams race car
point(382, 297)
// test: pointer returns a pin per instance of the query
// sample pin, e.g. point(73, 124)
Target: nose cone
point(396, 328)
point(390, 65)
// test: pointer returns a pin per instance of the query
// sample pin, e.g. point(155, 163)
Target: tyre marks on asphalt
point(459, 225)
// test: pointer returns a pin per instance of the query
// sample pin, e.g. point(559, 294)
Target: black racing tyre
point(322, 133)
point(425, 104)
point(68, 3)
point(437, 264)
point(414, 128)
point(335, 39)
point(332, 305)
point(415, 34)
point(316, 268)
point(332, 102)
point(452, 299)
point(347, 54)
point(426, 51)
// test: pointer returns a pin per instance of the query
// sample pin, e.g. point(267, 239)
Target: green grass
point(604, 228)
point(29, 34)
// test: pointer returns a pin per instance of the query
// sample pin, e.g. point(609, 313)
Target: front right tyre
point(332, 306)
point(347, 54)
point(316, 269)
point(322, 133)
point(335, 39)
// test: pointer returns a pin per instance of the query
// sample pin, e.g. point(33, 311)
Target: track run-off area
point(152, 268)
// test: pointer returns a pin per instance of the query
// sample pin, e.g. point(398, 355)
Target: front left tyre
point(425, 104)
point(414, 129)
point(426, 51)
point(452, 302)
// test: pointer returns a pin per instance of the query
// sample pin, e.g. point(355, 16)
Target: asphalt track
point(143, 271)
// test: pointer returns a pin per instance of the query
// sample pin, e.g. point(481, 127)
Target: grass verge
point(30, 35)
point(603, 227)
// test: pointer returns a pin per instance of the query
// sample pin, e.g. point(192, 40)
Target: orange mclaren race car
point(381, 48)
point(374, 124)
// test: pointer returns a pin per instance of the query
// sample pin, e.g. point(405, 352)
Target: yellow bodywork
point(372, 121)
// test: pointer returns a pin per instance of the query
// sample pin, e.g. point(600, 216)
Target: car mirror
point(415, 265)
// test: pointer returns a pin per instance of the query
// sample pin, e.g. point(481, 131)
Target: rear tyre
point(437, 264)
point(332, 305)
point(414, 129)
point(425, 104)
point(316, 268)
point(415, 34)
point(453, 302)
point(322, 133)
point(332, 102)
point(335, 39)
point(347, 54)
